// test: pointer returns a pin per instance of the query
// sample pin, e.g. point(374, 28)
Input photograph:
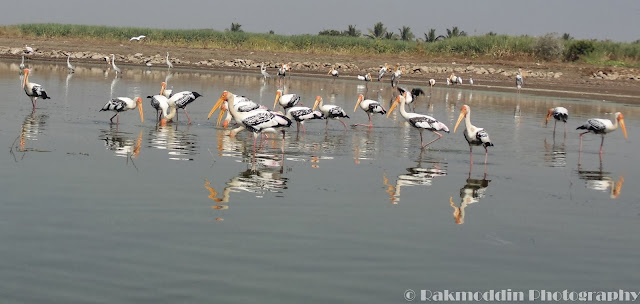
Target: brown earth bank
point(617, 84)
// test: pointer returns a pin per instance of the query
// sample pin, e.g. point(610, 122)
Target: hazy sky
point(618, 20)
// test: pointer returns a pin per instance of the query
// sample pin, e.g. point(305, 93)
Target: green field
point(485, 47)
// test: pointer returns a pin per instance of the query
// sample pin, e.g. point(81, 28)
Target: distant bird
point(369, 106)
point(263, 71)
point(121, 104)
point(366, 77)
point(148, 63)
point(519, 80)
point(475, 136)
point(470, 81)
point(138, 38)
point(71, 68)
point(333, 72)
point(169, 64)
point(180, 100)
point(412, 95)
point(448, 81)
point(330, 112)
point(113, 64)
point(432, 82)
point(22, 63)
point(33, 90)
point(419, 121)
point(601, 126)
point(454, 79)
point(28, 50)
point(382, 71)
point(395, 77)
point(558, 113)
point(107, 59)
point(282, 71)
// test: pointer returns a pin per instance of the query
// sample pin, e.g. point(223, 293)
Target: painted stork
point(475, 136)
point(113, 64)
point(395, 77)
point(602, 126)
point(558, 113)
point(366, 77)
point(302, 114)
point(519, 80)
point(412, 95)
point(369, 106)
point(286, 100)
point(432, 82)
point(282, 71)
point(121, 104)
point(382, 71)
point(164, 91)
point(33, 90)
point(71, 68)
point(241, 104)
point(419, 121)
point(256, 121)
point(169, 64)
point(333, 72)
point(263, 71)
point(161, 104)
point(182, 99)
point(330, 111)
point(27, 50)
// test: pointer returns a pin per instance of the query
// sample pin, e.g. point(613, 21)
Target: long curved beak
point(216, 106)
point(546, 119)
point(394, 105)
point(276, 101)
point(222, 111)
point(357, 104)
point(315, 105)
point(462, 115)
point(624, 129)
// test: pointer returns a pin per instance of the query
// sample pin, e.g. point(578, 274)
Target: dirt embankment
point(558, 79)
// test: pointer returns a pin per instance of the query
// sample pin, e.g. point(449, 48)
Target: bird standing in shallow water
point(602, 126)
point(33, 90)
point(419, 121)
point(369, 106)
point(558, 113)
point(475, 136)
point(121, 104)
point(330, 112)
point(169, 64)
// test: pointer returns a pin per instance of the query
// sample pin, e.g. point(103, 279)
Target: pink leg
point(601, 144)
point(486, 154)
point(344, 124)
point(370, 122)
point(185, 113)
point(439, 136)
point(304, 131)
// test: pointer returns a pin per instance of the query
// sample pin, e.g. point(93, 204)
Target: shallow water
point(104, 213)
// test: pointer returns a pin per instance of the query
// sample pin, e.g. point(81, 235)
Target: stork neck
point(403, 112)
point(169, 113)
point(467, 120)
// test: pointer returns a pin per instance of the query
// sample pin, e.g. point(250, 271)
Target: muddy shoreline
point(609, 84)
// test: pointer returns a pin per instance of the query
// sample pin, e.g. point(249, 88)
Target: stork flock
point(260, 120)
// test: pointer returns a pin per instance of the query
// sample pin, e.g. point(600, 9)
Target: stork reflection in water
point(121, 143)
point(32, 127)
point(472, 191)
point(416, 176)
point(601, 180)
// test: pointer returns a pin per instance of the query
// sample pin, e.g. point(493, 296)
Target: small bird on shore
point(138, 38)
point(470, 81)
point(263, 71)
point(71, 68)
point(333, 72)
point(519, 80)
point(366, 77)
point(432, 82)
point(169, 64)
point(383, 70)
point(148, 63)
point(28, 50)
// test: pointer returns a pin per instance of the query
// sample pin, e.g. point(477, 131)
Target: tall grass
point(492, 46)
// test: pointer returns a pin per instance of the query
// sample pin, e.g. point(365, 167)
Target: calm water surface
point(100, 213)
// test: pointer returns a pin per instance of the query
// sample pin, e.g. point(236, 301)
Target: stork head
point(620, 120)
point(278, 95)
point(463, 113)
point(224, 97)
point(318, 101)
point(549, 115)
point(139, 106)
point(396, 101)
point(360, 99)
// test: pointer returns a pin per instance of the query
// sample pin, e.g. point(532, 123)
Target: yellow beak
point(222, 111)
point(216, 106)
point(357, 104)
point(315, 105)
point(276, 101)
point(393, 106)
point(624, 129)
point(462, 115)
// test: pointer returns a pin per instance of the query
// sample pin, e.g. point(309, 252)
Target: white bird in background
point(263, 71)
point(448, 81)
point(395, 77)
point(113, 64)
point(558, 113)
point(369, 106)
point(475, 136)
point(331, 112)
point(382, 71)
point(148, 63)
point(33, 90)
point(366, 77)
point(470, 81)
point(282, 71)
point(107, 59)
point(286, 100)
point(138, 38)
point(121, 104)
point(28, 50)
point(71, 68)
point(419, 121)
point(519, 80)
point(333, 72)
point(22, 63)
point(432, 82)
point(169, 64)
point(601, 126)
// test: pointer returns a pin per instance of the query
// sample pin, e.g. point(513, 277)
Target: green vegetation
point(350, 41)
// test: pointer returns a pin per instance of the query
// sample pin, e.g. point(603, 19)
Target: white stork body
point(330, 111)
point(333, 72)
point(602, 126)
point(411, 96)
point(263, 71)
point(181, 100)
point(432, 82)
point(558, 113)
point(519, 80)
point(121, 104)
point(161, 104)
point(369, 106)
point(366, 77)
point(113, 64)
point(169, 64)
point(28, 50)
point(286, 100)
point(382, 71)
point(71, 68)
point(33, 90)
point(241, 104)
point(470, 81)
point(395, 77)
point(475, 136)
point(419, 121)
point(302, 114)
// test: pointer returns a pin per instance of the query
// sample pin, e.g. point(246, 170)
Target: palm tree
point(378, 32)
point(405, 33)
point(391, 36)
point(455, 32)
point(567, 36)
point(235, 27)
point(352, 32)
point(431, 36)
